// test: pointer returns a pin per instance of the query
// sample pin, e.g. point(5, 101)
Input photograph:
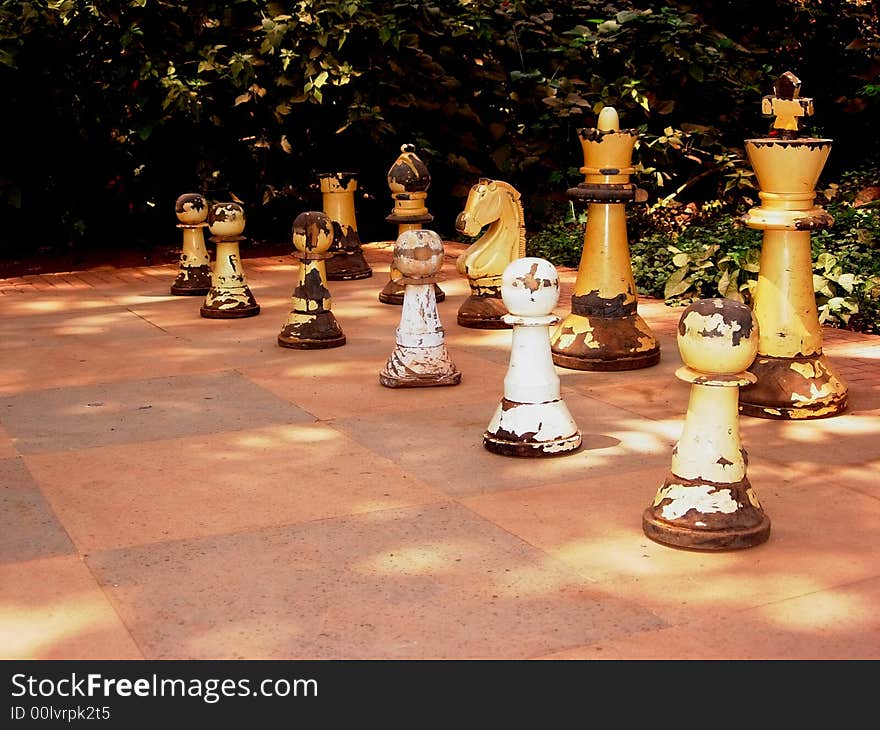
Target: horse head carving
point(495, 206)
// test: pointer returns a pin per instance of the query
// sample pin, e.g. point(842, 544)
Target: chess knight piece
point(532, 419)
point(311, 325)
point(229, 296)
point(706, 501)
point(194, 273)
point(347, 261)
point(420, 358)
point(795, 379)
point(495, 204)
point(604, 330)
point(409, 180)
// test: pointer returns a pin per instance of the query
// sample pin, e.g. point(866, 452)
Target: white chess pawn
point(532, 419)
point(420, 358)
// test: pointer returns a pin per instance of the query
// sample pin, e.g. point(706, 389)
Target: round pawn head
point(408, 174)
point(418, 254)
point(312, 232)
point(718, 336)
point(530, 287)
point(226, 219)
point(609, 120)
point(191, 209)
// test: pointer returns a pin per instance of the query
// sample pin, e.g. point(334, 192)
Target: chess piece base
point(693, 539)
point(604, 343)
point(233, 313)
point(316, 332)
point(392, 293)
point(415, 381)
point(192, 281)
point(556, 447)
point(721, 529)
point(348, 266)
point(793, 388)
point(483, 313)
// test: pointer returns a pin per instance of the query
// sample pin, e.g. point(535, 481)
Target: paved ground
point(178, 487)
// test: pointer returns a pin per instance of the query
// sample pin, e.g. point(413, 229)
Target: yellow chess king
point(795, 380)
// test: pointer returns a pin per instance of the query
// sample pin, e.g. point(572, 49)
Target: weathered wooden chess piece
point(494, 205)
point(532, 419)
point(795, 378)
point(604, 330)
point(311, 325)
point(347, 261)
point(194, 272)
point(230, 296)
point(706, 501)
point(420, 357)
point(409, 180)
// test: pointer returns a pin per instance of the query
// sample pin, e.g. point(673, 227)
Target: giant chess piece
point(311, 325)
point(409, 180)
point(420, 357)
point(604, 330)
point(795, 379)
point(532, 419)
point(230, 296)
point(194, 272)
point(494, 205)
point(347, 261)
point(706, 501)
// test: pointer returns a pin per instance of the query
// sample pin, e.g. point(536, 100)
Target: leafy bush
point(681, 253)
point(118, 106)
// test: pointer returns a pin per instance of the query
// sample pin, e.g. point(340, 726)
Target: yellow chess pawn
point(194, 272)
point(230, 296)
point(706, 501)
point(311, 325)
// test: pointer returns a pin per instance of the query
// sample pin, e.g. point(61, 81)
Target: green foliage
point(682, 253)
point(121, 105)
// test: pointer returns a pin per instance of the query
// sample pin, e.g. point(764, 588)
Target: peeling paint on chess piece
point(230, 296)
point(347, 260)
point(707, 501)
point(420, 358)
point(194, 272)
point(795, 379)
point(495, 206)
point(604, 330)
point(409, 180)
point(532, 419)
point(311, 325)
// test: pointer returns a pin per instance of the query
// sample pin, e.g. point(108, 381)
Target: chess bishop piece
point(795, 379)
point(229, 296)
point(311, 325)
point(194, 272)
point(706, 501)
point(420, 357)
point(604, 330)
point(409, 180)
point(532, 419)
point(347, 261)
point(494, 205)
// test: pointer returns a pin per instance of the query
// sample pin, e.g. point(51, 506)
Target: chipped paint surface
point(703, 498)
point(532, 419)
point(603, 330)
point(420, 357)
point(492, 206)
point(794, 388)
point(311, 325)
point(229, 295)
point(337, 194)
